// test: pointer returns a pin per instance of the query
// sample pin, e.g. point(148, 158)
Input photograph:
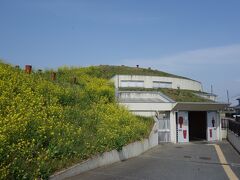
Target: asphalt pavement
point(195, 160)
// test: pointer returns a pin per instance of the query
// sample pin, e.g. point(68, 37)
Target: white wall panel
point(182, 127)
point(212, 126)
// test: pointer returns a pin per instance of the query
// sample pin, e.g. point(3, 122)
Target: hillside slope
point(47, 125)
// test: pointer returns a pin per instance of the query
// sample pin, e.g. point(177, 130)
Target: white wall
point(131, 150)
point(148, 81)
point(208, 96)
point(144, 113)
point(142, 95)
point(148, 106)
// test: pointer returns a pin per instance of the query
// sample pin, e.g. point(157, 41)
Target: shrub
point(46, 126)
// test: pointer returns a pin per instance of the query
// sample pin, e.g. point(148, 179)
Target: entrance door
point(182, 127)
point(212, 123)
point(197, 121)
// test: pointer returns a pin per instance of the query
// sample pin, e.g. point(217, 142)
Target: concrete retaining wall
point(234, 140)
point(128, 151)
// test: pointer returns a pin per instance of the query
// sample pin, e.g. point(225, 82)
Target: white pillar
point(173, 127)
point(219, 126)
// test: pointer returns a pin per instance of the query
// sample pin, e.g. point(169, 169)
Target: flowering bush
point(46, 126)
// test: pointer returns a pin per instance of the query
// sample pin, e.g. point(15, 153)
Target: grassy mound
point(107, 71)
point(46, 126)
point(184, 95)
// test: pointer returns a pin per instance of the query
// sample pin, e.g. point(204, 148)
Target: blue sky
point(197, 39)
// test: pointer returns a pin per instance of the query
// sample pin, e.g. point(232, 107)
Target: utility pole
point(211, 89)
point(228, 97)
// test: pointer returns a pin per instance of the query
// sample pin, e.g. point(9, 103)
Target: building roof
point(197, 106)
point(140, 100)
point(207, 94)
point(175, 95)
point(180, 95)
point(237, 107)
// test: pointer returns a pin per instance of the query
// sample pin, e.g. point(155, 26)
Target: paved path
point(172, 161)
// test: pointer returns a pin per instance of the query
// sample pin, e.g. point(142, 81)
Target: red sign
point(184, 134)
point(210, 132)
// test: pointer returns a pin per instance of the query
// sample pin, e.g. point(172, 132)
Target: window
point(130, 83)
point(160, 84)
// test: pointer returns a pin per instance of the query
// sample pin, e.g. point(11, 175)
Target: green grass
point(183, 95)
point(107, 71)
point(178, 95)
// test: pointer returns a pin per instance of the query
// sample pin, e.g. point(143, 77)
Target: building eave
point(199, 106)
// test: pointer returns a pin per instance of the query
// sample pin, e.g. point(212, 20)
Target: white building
point(156, 82)
point(179, 120)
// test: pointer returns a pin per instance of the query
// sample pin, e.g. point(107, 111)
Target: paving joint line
point(200, 162)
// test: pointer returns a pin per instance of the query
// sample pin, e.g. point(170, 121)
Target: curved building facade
point(141, 81)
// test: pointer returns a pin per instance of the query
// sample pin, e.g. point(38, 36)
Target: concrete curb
point(128, 151)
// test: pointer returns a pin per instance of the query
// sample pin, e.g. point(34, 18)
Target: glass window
point(160, 84)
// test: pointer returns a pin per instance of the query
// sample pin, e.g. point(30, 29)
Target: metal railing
point(224, 123)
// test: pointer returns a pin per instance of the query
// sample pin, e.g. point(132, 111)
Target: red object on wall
point(28, 69)
point(180, 121)
point(53, 76)
point(184, 134)
point(210, 132)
